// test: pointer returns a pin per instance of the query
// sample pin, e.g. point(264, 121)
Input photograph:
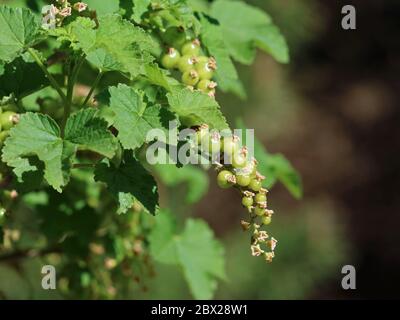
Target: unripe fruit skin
point(243, 180)
point(247, 202)
point(259, 211)
point(239, 161)
point(171, 59)
point(200, 135)
point(6, 120)
point(204, 71)
point(266, 220)
point(186, 63)
point(214, 144)
point(255, 185)
point(260, 198)
point(190, 48)
point(230, 146)
point(223, 179)
point(190, 78)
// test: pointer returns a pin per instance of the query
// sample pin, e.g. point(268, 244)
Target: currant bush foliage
point(81, 84)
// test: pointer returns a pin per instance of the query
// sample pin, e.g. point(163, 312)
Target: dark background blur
point(334, 112)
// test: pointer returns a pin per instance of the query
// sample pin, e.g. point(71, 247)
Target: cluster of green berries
point(8, 118)
point(197, 70)
point(237, 170)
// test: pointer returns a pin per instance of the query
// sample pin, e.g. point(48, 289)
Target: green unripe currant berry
point(190, 77)
point(202, 59)
point(174, 36)
point(187, 63)
point(243, 180)
point(214, 143)
point(2, 215)
point(255, 185)
point(239, 160)
point(230, 145)
point(201, 133)
point(8, 119)
point(207, 86)
point(266, 220)
point(206, 69)
point(260, 197)
point(225, 179)
point(171, 59)
point(260, 211)
point(3, 137)
point(191, 48)
point(247, 201)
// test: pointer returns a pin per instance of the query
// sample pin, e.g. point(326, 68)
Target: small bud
point(272, 243)
point(196, 42)
point(245, 225)
point(256, 251)
point(80, 6)
point(97, 249)
point(261, 235)
point(193, 74)
point(110, 263)
point(66, 12)
point(212, 85)
point(269, 256)
point(259, 176)
point(13, 194)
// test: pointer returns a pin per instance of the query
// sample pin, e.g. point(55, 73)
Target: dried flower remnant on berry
point(80, 6)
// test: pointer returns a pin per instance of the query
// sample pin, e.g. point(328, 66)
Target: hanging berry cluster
point(197, 70)
point(8, 118)
point(236, 169)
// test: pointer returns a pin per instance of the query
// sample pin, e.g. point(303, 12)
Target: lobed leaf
point(20, 29)
point(195, 250)
point(196, 108)
point(128, 182)
point(246, 28)
point(38, 135)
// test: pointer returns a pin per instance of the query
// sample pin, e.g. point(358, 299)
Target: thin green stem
point(94, 86)
point(53, 81)
point(70, 92)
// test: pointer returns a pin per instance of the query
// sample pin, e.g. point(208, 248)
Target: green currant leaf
point(129, 182)
point(133, 117)
point(116, 45)
point(103, 7)
point(157, 76)
point(140, 7)
point(39, 135)
point(89, 132)
point(196, 108)
point(278, 168)
point(20, 29)
point(226, 74)
point(127, 44)
point(195, 251)
point(246, 28)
